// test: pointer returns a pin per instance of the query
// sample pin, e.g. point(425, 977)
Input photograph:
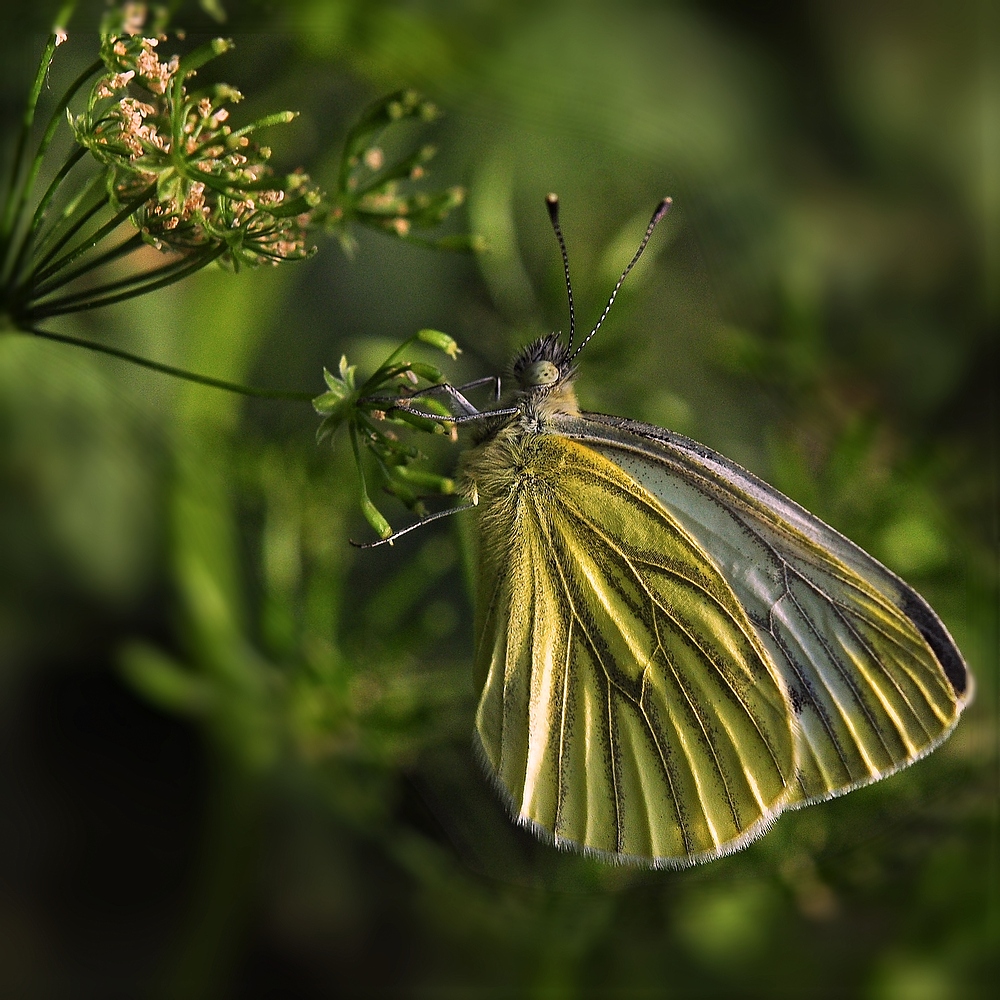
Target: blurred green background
point(235, 753)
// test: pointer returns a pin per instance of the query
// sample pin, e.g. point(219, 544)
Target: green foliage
point(820, 306)
point(284, 682)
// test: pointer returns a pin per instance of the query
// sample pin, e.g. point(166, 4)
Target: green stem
point(27, 121)
point(61, 280)
point(372, 514)
point(91, 190)
point(157, 366)
point(50, 192)
point(72, 303)
point(91, 241)
point(39, 274)
point(29, 236)
point(54, 121)
point(180, 268)
point(132, 280)
point(381, 373)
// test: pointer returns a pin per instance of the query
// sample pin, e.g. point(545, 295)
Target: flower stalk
point(157, 366)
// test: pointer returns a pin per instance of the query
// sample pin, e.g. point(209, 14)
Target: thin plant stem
point(71, 161)
point(383, 371)
point(28, 237)
point(27, 121)
point(92, 189)
point(54, 122)
point(131, 287)
point(58, 307)
point(133, 280)
point(157, 366)
point(134, 242)
point(39, 273)
point(356, 448)
point(366, 502)
point(91, 241)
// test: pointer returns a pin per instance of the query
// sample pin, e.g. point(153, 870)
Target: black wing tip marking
point(936, 635)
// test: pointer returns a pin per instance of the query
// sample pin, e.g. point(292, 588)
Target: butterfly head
point(543, 373)
point(542, 364)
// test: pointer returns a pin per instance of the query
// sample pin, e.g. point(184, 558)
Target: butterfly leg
point(495, 379)
point(412, 527)
point(468, 413)
point(457, 393)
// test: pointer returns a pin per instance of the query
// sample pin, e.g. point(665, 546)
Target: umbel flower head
point(210, 186)
point(377, 191)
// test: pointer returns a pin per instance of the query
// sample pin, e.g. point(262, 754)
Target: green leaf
point(331, 403)
point(333, 381)
point(164, 681)
point(346, 371)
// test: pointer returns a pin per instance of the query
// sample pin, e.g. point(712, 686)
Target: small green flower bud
point(421, 423)
point(427, 481)
point(441, 341)
point(428, 372)
point(374, 517)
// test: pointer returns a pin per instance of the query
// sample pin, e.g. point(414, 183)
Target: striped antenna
point(552, 204)
point(661, 210)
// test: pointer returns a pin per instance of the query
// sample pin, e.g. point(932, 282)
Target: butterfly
point(670, 652)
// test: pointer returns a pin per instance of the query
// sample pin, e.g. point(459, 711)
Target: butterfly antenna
point(552, 204)
point(661, 210)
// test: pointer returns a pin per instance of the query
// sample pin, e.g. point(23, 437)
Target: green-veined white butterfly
point(670, 652)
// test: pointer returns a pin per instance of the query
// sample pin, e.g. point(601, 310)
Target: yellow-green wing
point(872, 675)
point(628, 706)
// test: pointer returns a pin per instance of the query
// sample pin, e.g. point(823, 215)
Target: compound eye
point(539, 373)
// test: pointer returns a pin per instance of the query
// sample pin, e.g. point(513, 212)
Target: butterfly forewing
point(628, 703)
point(871, 675)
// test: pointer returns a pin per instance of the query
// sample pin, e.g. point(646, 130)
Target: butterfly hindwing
point(628, 704)
point(871, 674)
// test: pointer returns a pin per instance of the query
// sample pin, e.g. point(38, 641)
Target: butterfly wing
point(628, 704)
point(873, 677)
